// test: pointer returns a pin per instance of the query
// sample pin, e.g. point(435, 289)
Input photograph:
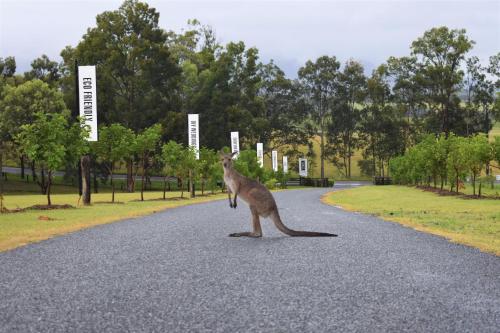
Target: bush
point(271, 183)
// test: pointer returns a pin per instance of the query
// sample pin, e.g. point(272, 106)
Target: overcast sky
point(290, 32)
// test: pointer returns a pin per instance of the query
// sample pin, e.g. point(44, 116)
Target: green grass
point(467, 221)
point(17, 229)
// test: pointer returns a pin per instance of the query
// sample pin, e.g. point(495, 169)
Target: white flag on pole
point(275, 160)
point(88, 98)
point(260, 154)
point(194, 133)
point(285, 164)
point(235, 143)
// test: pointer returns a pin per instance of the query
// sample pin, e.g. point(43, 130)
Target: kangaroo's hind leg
point(257, 230)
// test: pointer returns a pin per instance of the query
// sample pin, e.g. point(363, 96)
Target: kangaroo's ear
point(232, 154)
point(221, 153)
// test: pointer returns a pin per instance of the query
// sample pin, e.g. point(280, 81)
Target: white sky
point(290, 32)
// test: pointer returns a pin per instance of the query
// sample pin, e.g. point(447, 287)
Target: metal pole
point(76, 113)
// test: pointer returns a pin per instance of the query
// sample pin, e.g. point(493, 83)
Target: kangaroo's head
point(226, 160)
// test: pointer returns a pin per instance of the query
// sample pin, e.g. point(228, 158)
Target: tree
point(320, 81)
point(480, 98)
point(284, 126)
point(145, 144)
point(458, 159)
point(208, 158)
point(172, 153)
point(479, 155)
point(138, 77)
point(7, 66)
point(44, 69)
point(440, 53)
point(20, 104)
point(47, 139)
point(115, 144)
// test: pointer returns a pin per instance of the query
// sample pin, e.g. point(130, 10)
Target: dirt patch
point(438, 191)
point(47, 207)
point(109, 202)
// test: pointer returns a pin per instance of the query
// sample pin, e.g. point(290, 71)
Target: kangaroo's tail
point(275, 216)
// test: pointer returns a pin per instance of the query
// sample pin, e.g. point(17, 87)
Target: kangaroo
point(260, 200)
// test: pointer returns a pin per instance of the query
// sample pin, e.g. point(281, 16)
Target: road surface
point(177, 271)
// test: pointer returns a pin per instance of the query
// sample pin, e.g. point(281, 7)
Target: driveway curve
point(177, 271)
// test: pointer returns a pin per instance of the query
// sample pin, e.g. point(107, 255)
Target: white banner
point(275, 160)
point(303, 167)
point(194, 133)
point(260, 154)
point(285, 164)
point(235, 143)
point(88, 98)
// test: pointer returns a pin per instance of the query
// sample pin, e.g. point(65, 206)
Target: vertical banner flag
point(285, 164)
point(235, 143)
point(88, 99)
point(194, 133)
point(275, 160)
point(260, 154)
point(302, 167)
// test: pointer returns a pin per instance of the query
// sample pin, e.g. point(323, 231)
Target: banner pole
point(76, 113)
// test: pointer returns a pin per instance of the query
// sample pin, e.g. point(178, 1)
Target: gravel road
point(177, 271)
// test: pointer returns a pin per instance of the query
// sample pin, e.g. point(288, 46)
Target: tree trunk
point(33, 171)
point(322, 153)
point(112, 183)
point(142, 177)
point(86, 195)
point(474, 184)
point(456, 178)
point(349, 160)
point(182, 188)
point(22, 166)
point(42, 184)
point(49, 183)
point(130, 176)
point(202, 187)
point(479, 192)
point(191, 184)
point(164, 187)
point(1, 174)
point(94, 174)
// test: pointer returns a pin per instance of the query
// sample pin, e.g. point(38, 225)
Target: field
point(467, 221)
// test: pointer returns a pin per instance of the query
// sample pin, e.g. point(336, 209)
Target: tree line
point(447, 159)
point(147, 75)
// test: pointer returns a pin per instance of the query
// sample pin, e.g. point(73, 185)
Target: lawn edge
point(451, 237)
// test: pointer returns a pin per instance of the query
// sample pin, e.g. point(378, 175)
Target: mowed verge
point(21, 228)
point(471, 222)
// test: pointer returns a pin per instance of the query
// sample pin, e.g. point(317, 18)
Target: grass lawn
point(17, 229)
point(467, 221)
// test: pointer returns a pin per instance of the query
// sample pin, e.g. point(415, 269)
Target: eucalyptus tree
point(284, 125)
point(320, 84)
point(44, 69)
point(138, 77)
point(346, 112)
point(440, 54)
point(7, 66)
